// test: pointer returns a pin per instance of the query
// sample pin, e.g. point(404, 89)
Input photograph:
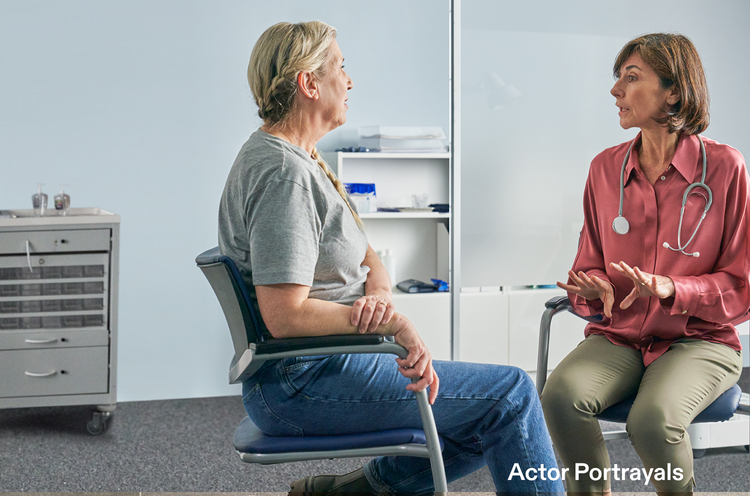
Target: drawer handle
point(41, 341)
point(42, 374)
point(28, 256)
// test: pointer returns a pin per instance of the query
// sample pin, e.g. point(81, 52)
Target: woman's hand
point(418, 364)
point(370, 311)
point(645, 284)
point(591, 288)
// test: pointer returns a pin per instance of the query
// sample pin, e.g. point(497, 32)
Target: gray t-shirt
point(282, 221)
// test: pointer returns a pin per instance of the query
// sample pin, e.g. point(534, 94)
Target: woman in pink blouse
point(667, 264)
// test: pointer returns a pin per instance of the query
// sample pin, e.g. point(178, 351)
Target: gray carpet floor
point(185, 446)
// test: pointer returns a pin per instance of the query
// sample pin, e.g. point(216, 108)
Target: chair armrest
point(553, 306)
point(257, 354)
point(557, 302)
point(312, 343)
point(563, 303)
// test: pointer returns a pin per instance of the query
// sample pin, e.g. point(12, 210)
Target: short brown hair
point(676, 61)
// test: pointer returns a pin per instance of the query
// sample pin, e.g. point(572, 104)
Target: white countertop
point(75, 216)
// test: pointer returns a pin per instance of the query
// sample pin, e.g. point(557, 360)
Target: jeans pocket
point(264, 418)
point(302, 370)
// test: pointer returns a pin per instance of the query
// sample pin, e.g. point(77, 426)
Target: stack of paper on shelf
point(403, 139)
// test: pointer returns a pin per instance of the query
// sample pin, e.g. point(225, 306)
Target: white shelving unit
point(419, 240)
point(405, 215)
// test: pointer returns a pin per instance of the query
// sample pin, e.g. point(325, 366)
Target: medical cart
point(58, 310)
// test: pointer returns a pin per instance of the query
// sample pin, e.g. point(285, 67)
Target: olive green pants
point(671, 391)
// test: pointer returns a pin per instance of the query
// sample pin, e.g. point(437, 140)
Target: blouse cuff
point(686, 296)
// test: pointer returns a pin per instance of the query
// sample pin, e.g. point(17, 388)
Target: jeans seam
point(251, 393)
point(370, 471)
point(446, 463)
point(272, 414)
point(527, 457)
point(286, 383)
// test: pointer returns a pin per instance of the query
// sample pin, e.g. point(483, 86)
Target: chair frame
point(562, 304)
point(251, 351)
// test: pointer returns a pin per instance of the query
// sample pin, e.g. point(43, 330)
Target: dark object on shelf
point(414, 286)
point(442, 208)
point(353, 149)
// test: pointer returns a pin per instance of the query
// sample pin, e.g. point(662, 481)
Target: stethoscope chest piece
point(621, 225)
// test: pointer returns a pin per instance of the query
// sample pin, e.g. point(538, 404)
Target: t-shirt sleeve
point(284, 231)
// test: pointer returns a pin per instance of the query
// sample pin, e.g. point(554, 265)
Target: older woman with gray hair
point(287, 222)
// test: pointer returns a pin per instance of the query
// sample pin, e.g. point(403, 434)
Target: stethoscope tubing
point(622, 226)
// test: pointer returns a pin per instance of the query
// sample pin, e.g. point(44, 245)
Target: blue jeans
point(486, 414)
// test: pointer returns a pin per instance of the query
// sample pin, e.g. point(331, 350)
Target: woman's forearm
point(288, 312)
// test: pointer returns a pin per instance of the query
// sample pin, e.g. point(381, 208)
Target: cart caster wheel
point(698, 453)
point(98, 423)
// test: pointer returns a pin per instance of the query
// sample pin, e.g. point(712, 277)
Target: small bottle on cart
point(39, 200)
point(62, 202)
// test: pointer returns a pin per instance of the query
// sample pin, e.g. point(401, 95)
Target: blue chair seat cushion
point(249, 439)
point(721, 409)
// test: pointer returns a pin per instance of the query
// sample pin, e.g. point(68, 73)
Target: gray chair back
point(234, 297)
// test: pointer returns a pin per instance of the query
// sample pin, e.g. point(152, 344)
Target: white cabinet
point(502, 327)
point(430, 313)
point(484, 327)
point(419, 240)
point(58, 310)
point(526, 307)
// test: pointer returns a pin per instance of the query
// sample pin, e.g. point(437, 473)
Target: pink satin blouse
point(712, 291)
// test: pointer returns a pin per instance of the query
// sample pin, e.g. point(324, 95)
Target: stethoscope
point(622, 226)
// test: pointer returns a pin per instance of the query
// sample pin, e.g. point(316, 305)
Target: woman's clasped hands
point(644, 285)
point(370, 312)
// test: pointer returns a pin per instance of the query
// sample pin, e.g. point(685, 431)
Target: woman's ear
point(308, 85)
point(674, 96)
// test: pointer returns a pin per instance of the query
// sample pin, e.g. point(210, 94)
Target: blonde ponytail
point(337, 184)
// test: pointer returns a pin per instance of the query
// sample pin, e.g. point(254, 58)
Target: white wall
point(525, 164)
point(141, 107)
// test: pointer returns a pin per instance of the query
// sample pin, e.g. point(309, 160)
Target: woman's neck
point(656, 152)
point(297, 131)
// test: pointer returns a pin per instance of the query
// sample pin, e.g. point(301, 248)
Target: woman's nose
point(616, 91)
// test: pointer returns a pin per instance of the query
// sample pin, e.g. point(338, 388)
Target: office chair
point(252, 349)
point(722, 409)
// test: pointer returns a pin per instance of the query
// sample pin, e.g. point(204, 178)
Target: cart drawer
point(55, 241)
point(54, 371)
point(36, 340)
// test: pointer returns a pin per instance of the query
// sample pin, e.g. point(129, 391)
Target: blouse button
point(663, 178)
point(684, 312)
